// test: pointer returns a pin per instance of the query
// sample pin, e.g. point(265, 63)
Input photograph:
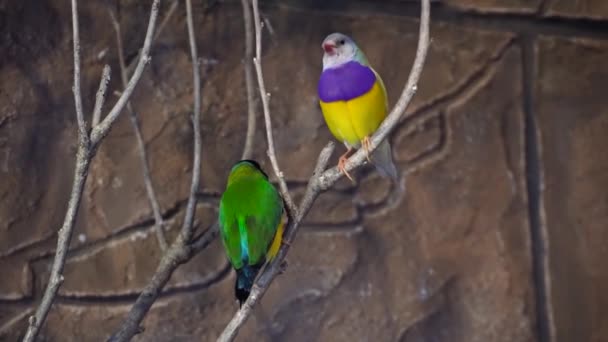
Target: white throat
point(335, 60)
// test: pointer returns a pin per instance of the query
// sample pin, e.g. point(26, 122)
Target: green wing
point(250, 212)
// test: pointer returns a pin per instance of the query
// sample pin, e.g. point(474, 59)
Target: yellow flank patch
point(276, 242)
point(351, 121)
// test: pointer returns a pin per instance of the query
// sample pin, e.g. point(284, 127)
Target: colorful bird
point(353, 101)
point(251, 223)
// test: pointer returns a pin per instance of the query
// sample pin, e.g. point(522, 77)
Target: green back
point(361, 58)
point(250, 212)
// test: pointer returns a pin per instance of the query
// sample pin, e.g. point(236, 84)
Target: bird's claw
point(366, 147)
point(342, 167)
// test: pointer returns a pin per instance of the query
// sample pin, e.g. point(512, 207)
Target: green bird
point(251, 223)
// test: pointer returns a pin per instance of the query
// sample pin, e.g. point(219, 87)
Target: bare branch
point(141, 146)
point(159, 223)
point(181, 250)
point(323, 180)
point(186, 233)
point(83, 158)
point(101, 130)
point(257, 61)
point(157, 33)
point(251, 122)
point(176, 255)
point(166, 18)
point(267, 24)
point(86, 148)
point(82, 129)
point(101, 95)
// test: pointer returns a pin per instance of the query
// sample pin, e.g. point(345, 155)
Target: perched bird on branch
point(353, 101)
point(251, 223)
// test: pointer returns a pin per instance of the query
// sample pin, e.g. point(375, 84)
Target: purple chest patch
point(345, 82)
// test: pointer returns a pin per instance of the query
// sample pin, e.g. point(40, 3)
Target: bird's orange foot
point(342, 163)
point(366, 147)
point(342, 167)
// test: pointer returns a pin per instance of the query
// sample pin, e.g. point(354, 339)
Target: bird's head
point(246, 168)
point(338, 49)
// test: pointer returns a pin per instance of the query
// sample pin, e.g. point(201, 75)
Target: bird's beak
point(329, 47)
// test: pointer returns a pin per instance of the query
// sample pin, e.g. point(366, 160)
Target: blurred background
point(497, 231)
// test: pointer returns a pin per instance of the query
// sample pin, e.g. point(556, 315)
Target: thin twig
point(159, 30)
point(181, 249)
point(82, 129)
point(86, 150)
point(166, 18)
point(257, 61)
point(186, 233)
point(267, 24)
point(159, 223)
point(101, 130)
point(100, 97)
point(321, 181)
point(251, 122)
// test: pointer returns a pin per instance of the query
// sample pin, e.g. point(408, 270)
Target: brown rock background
point(497, 232)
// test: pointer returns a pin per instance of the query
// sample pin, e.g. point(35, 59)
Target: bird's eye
point(341, 42)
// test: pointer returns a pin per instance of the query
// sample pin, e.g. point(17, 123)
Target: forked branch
point(257, 62)
point(86, 150)
point(182, 249)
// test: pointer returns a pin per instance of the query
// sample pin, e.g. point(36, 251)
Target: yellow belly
point(351, 121)
point(276, 242)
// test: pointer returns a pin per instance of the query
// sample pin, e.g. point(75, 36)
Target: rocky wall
point(495, 232)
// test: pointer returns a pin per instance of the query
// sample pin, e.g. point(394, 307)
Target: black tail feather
point(244, 281)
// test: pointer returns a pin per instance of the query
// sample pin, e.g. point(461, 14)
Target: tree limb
point(100, 131)
point(257, 61)
point(166, 18)
point(86, 150)
point(181, 249)
point(251, 123)
point(159, 223)
point(83, 159)
point(186, 233)
point(82, 128)
point(100, 97)
point(322, 180)
point(176, 255)
point(159, 30)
